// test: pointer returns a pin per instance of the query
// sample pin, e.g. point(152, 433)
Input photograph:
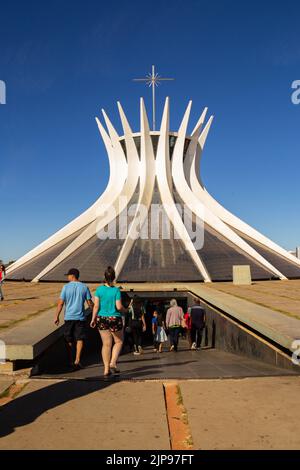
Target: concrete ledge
point(28, 340)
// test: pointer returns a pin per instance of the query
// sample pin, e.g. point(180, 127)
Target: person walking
point(137, 323)
point(188, 328)
point(73, 296)
point(198, 318)
point(2, 277)
point(127, 339)
point(158, 330)
point(173, 323)
point(107, 316)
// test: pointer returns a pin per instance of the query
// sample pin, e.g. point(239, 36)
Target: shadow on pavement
point(25, 409)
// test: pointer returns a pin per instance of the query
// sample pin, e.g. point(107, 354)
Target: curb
point(179, 430)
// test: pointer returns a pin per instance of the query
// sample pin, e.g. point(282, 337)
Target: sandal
point(115, 370)
point(107, 376)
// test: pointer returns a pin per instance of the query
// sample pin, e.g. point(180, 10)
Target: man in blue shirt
point(73, 296)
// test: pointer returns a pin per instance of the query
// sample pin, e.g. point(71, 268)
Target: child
point(158, 330)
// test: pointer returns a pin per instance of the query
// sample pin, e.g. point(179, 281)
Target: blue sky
point(64, 60)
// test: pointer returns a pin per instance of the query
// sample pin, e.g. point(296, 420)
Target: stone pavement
point(85, 415)
point(254, 413)
point(281, 296)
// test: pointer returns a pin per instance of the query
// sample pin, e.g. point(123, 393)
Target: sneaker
point(136, 353)
point(172, 348)
point(141, 350)
point(194, 346)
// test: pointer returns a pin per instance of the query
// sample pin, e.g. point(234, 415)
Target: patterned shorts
point(110, 323)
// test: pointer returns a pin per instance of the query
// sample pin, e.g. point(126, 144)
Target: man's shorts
point(112, 324)
point(74, 330)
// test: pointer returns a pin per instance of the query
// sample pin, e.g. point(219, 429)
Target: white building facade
point(156, 221)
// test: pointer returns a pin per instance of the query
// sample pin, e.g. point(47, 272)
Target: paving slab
point(253, 413)
point(85, 415)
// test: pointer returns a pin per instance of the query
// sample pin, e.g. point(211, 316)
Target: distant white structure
point(296, 252)
point(161, 167)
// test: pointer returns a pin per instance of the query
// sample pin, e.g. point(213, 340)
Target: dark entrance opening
point(159, 301)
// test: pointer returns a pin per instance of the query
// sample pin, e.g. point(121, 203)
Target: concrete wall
point(226, 334)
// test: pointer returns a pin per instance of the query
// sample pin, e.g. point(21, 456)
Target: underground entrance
point(219, 356)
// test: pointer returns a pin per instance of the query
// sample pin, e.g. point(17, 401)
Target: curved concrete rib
point(163, 174)
point(192, 148)
point(115, 201)
point(193, 203)
point(147, 179)
point(197, 145)
point(226, 216)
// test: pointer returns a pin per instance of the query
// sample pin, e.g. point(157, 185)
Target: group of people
point(115, 318)
point(192, 323)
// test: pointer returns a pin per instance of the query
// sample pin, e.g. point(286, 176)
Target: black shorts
point(110, 323)
point(74, 330)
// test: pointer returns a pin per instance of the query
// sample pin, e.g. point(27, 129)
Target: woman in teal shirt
point(108, 319)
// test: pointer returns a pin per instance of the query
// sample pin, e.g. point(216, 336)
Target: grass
point(189, 441)
point(179, 400)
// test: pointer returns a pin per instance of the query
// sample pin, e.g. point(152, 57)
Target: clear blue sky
point(64, 60)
